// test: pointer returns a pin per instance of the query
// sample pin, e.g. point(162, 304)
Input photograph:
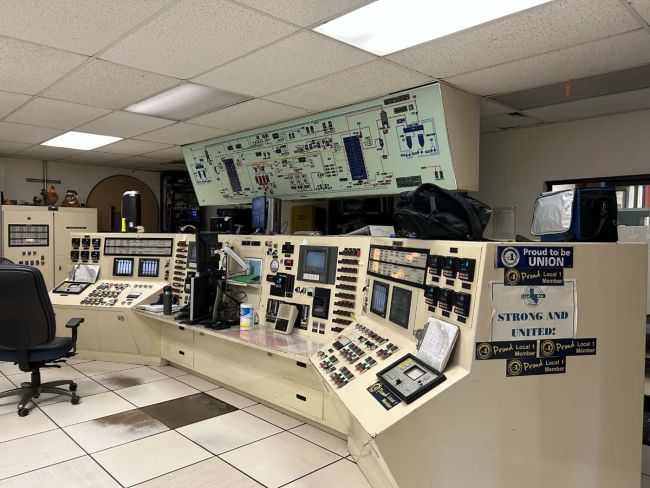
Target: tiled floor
point(158, 427)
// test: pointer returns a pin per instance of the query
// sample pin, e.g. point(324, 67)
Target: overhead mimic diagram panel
point(379, 147)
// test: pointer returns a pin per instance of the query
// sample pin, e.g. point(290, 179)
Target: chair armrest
point(73, 323)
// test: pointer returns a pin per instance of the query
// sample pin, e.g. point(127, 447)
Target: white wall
point(81, 178)
point(515, 164)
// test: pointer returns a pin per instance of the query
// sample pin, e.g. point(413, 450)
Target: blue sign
point(384, 396)
point(526, 257)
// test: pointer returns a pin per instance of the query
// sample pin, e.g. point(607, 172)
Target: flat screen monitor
point(123, 267)
point(400, 307)
point(207, 244)
point(148, 268)
point(379, 300)
point(259, 213)
point(201, 297)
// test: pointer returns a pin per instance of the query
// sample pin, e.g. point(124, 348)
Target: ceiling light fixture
point(80, 140)
point(386, 26)
point(186, 101)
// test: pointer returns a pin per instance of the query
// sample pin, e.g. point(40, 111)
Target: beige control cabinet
point(40, 237)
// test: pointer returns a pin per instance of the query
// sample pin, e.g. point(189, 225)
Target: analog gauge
point(275, 266)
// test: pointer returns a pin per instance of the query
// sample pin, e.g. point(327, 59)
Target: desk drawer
point(178, 333)
point(178, 353)
point(302, 399)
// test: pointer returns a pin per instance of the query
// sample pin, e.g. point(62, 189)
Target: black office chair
point(27, 333)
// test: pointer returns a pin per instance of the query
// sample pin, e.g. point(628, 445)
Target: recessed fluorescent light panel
point(81, 140)
point(186, 101)
point(386, 26)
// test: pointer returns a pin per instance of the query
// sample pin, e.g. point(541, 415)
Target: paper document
point(437, 344)
point(84, 273)
point(159, 308)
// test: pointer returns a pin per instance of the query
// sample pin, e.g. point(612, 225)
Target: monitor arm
point(227, 251)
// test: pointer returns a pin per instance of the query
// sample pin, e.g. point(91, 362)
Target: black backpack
point(431, 212)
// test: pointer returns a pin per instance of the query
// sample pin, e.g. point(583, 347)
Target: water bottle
point(167, 300)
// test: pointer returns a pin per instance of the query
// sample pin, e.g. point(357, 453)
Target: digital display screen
point(414, 373)
point(259, 213)
point(148, 268)
point(400, 307)
point(379, 300)
point(123, 267)
point(315, 261)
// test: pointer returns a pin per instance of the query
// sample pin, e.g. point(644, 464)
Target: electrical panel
point(379, 147)
point(40, 237)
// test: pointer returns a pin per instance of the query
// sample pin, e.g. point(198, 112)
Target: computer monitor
point(201, 297)
point(259, 214)
point(207, 244)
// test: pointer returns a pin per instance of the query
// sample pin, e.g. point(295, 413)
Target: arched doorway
point(106, 197)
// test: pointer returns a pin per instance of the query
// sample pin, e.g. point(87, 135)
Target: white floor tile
point(12, 426)
point(196, 382)
point(128, 378)
point(77, 360)
point(147, 458)
point(92, 368)
point(48, 374)
point(85, 387)
point(323, 439)
point(77, 473)
point(280, 459)
point(156, 392)
point(234, 399)
point(36, 451)
point(9, 368)
point(273, 416)
point(8, 404)
point(229, 431)
point(90, 408)
point(114, 430)
point(169, 370)
point(342, 474)
point(212, 473)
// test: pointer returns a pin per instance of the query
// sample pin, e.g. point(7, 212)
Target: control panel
point(381, 146)
point(132, 268)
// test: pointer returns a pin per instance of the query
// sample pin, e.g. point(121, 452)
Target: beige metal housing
point(480, 427)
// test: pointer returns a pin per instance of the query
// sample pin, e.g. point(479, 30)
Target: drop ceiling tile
point(594, 107)
point(140, 161)
point(94, 157)
point(614, 53)
point(74, 25)
point(490, 107)
point(182, 133)
point(26, 133)
point(103, 84)
point(643, 7)
point(132, 147)
point(554, 25)
point(55, 113)
point(305, 12)
point(362, 82)
point(194, 36)
point(248, 115)
point(124, 124)
point(48, 152)
point(289, 62)
point(10, 102)
point(505, 121)
point(7, 148)
point(29, 68)
point(173, 153)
